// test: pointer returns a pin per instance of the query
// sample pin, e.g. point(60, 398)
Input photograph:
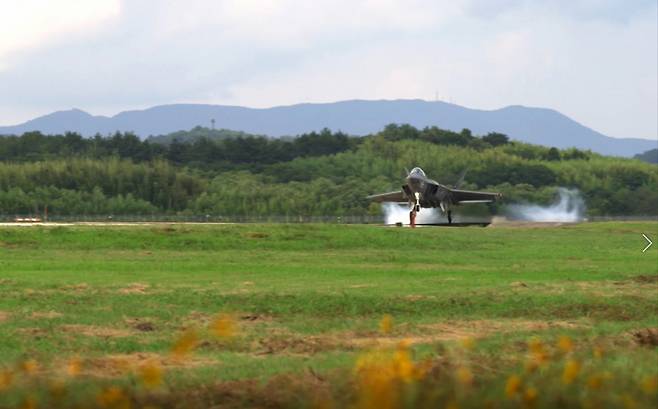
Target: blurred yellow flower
point(535, 345)
point(6, 377)
point(565, 344)
point(113, 397)
point(151, 374)
point(223, 326)
point(538, 351)
point(571, 371)
point(595, 381)
point(402, 364)
point(74, 366)
point(513, 386)
point(381, 375)
point(650, 385)
point(531, 365)
point(57, 388)
point(597, 352)
point(29, 366)
point(386, 324)
point(185, 344)
point(468, 343)
point(464, 376)
point(29, 403)
point(530, 397)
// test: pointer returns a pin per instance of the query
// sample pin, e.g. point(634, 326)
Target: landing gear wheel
point(412, 218)
point(449, 217)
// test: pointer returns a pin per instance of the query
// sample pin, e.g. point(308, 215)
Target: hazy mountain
point(533, 125)
point(650, 156)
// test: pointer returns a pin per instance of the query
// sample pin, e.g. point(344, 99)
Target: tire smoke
point(569, 206)
point(396, 213)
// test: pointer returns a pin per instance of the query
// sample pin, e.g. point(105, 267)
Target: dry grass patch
point(78, 288)
point(45, 314)
point(135, 288)
point(643, 287)
point(116, 365)
point(4, 316)
point(96, 331)
point(646, 337)
point(280, 341)
point(141, 324)
point(453, 331)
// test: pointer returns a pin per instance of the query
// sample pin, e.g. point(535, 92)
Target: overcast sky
point(595, 61)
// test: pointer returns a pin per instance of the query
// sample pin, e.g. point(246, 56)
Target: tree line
point(228, 173)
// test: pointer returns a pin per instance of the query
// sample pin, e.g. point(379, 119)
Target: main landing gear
point(412, 215)
point(449, 216)
point(415, 208)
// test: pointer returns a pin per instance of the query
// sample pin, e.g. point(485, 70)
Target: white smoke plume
point(395, 213)
point(568, 207)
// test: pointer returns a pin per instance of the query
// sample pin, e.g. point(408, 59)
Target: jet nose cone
point(414, 181)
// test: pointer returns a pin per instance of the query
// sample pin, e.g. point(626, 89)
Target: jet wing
point(468, 196)
point(397, 196)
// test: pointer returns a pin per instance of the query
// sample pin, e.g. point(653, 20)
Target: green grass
point(312, 290)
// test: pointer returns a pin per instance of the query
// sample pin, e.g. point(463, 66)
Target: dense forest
point(229, 173)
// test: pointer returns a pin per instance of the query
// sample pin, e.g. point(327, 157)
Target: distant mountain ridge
point(357, 117)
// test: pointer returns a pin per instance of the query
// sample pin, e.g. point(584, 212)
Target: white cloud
point(29, 23)
point(594, 62)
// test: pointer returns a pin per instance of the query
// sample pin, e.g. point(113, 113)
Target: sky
point(594, 61)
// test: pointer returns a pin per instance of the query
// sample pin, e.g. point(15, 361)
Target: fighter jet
point(420, 191)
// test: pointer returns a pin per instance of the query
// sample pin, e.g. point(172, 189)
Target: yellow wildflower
point(151, 374)
point(57, 388)
point(650, 385)
point(402, 363)
point(464, 376)
point(513, 386)
point(113, 397)
point(571, 371)
point(565, 344)
point(538, 351)
point(380, 375)
point(535, 345)
point(530, 397)
point(185, 344)
point(224, 326)
point(595, 381)
point(6, 377)
point(74, 366)
point(29, 403)
point(386, 324)
point(597, 352)
point(531, 365)
point(468, 343)
point(29, 366)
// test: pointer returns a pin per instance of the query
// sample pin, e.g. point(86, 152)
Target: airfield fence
point(164, 218)
point(169, 218)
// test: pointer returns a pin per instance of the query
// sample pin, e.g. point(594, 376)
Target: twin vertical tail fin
point(461, 179)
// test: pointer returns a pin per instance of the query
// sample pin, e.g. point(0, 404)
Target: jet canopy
point(417, 171)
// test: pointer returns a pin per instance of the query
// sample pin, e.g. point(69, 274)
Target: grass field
point(285, 315)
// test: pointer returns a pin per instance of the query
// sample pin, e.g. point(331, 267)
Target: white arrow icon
point(648, 245)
